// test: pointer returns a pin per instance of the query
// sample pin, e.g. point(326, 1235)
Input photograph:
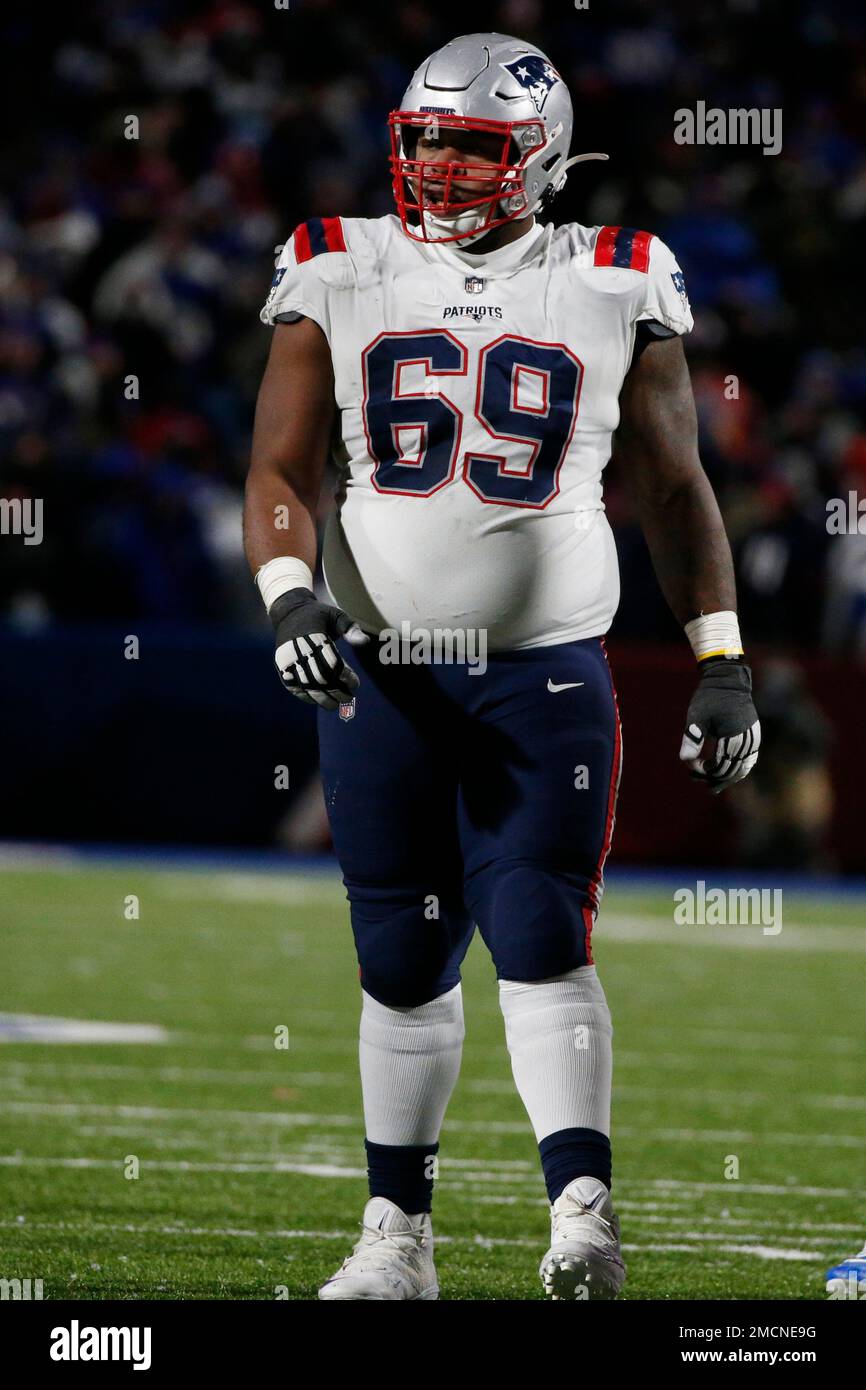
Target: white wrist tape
point(280, 575)
point(715, 634)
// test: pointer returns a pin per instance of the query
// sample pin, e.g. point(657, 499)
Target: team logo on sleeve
point(275, 283)
point(534, 74)
point(680, 285)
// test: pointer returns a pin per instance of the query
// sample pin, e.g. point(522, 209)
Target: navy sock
point(574, 1153)
point(403, 1174)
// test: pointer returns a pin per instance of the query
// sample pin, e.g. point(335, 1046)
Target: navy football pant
point(458, 799)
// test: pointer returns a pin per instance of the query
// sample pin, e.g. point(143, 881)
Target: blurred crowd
point(157, 151)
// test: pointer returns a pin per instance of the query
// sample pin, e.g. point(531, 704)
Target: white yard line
point(692, 1058)
point(292, 1119)
point(287, 1119)
point(192, 1075)
point(186, 1075)
point(38, 858)
point(268, 889)
point(742, 1136)
point(759, 1251)
point(634, 929)
point(760, 1189)
point(638, 1214)
point(731, 1035)
point(292, 888)
point(336, 1170)
point(696, 1059)
point(644, 1212)
point(43, 1028)
point(182, 1165)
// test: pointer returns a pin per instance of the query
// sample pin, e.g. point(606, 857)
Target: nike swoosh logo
point(569, 685)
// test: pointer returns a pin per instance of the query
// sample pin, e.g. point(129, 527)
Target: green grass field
point(250, 1177)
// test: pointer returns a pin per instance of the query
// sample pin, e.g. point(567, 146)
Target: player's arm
point(291, 436)
point(294, 416)
point(657, 445)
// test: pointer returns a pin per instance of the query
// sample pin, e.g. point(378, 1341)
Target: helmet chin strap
point(468, 223)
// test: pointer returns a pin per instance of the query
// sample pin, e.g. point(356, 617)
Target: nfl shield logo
point(473, 284)
point(347, 709)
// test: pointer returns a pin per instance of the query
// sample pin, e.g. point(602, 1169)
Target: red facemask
point(439, 189)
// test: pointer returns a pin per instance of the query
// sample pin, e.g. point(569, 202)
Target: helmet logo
point(535, 75)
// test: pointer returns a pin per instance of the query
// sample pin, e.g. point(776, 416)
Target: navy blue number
point(508, 368)
point(511, 371)
point(393, 416)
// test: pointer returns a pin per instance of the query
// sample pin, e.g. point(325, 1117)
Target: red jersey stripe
point(333, 229)
point(303, 249)
point(605, 245)
point(640, 251)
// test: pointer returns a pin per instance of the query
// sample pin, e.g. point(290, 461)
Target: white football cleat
point(585, 1257)
point(393, 1259)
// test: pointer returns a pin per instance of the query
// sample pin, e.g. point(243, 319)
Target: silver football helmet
point(491, 86)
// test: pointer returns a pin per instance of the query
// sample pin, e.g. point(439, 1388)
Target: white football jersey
point(477, 397)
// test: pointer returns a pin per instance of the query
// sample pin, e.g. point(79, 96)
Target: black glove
point(722, 710)
point(308, 662)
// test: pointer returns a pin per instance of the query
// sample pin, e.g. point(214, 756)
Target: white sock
point(559, 1037)
point(410, 1060)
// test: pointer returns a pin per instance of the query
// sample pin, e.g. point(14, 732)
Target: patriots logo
point(680, 284)
point(275, 283)
point(536, 75)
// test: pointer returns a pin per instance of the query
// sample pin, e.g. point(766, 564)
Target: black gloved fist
point(308, 662)
point(722, 711)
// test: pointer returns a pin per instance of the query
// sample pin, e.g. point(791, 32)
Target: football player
point(467, 366)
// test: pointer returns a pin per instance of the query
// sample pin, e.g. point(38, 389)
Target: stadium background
point(150, 257)
point(172, 970)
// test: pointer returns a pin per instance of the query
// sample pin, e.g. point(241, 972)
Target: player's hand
point(306, 658)
point(723, 733)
